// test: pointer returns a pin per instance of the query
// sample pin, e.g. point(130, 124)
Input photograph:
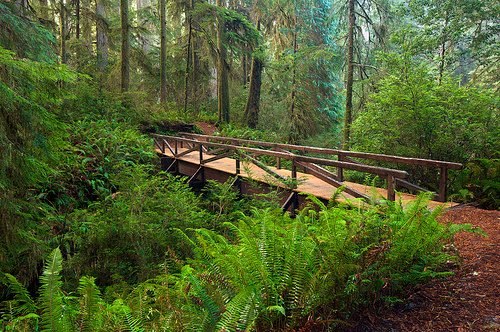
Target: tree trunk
point(293, 116)
point(350, 76)
point(142, 18)
point(23, 5)
point(77, 18)
point(44, 10)
point(125, 51)
point(102, 36)
point(63, 31)
point(86, 25)
point(442, 53)
point(194, 73)
point(253, 102)
point(163, 52)
point(222, 73)
point(188, 55)
point(244, 68)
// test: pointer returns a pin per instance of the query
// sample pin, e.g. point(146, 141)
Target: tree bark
point(350, 76)
point(44, 10)
point(244, 67)
point(293, 116)
point(188, 54)
point(222, 73)
point(194, 73)
point(77, 18)
point(101, 36)
point(163, 52)
point(63, 31)
point(442, 53)
point(253, 102)
point(125, 51)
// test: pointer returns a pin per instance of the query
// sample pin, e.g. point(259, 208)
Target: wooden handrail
point(290, 156)
point(327, 151)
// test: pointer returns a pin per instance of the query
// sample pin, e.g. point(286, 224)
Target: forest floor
point(467, 301)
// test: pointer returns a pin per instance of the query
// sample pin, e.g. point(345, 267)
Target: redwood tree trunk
point(253, 102)
point(77, 17)
point(350, 76)
point(188, 55)
point(293, 116)
point(63, 31)
point(163, 51)
point(125, 51)
point(222, 73)
point(101, 36)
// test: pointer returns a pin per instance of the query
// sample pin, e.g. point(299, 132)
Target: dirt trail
point(467, 301)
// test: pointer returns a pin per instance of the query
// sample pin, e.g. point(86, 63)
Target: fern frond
point(22, 304)
point(51, 297)
point(90, 299)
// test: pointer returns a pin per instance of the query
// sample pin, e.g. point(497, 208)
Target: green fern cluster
point(267, 272)
point(56, 311)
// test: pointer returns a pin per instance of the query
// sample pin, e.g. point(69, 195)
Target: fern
point(51, 301)
point(90, 309)
point(21, 308)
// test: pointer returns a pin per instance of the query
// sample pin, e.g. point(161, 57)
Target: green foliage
point(30, 140)
point(97, 150)
point(90, 305)
point(274, 272)
point(20, 312)
point(239, 32)
point(51, 301)
point(412, 114)
point(479, 182)
point(126, 234)
point(27, 38)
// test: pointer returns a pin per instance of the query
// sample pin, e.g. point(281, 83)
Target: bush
point(411, 114)
point(128, 235)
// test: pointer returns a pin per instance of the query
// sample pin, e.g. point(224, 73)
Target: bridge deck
point(308, 184)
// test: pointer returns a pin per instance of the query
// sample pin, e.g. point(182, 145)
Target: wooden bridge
point(292, 168)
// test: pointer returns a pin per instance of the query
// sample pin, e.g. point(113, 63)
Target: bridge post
point(340, 170)
point(295, 199)
point(238, 167)
point(443, 177)
point(391, 184)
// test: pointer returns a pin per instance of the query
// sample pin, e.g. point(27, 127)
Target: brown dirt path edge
point(467, 301)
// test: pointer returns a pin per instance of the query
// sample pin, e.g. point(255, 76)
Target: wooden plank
point(328, 177)
point(199, 171)
point(188, 151)
point(264, 167)
point(217, 157)
point(169, 147)
point(409, 185)
point(355, 167)
point(159, 146)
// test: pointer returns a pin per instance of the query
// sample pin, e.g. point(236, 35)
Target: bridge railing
point(346, 156)
point(181, 146)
